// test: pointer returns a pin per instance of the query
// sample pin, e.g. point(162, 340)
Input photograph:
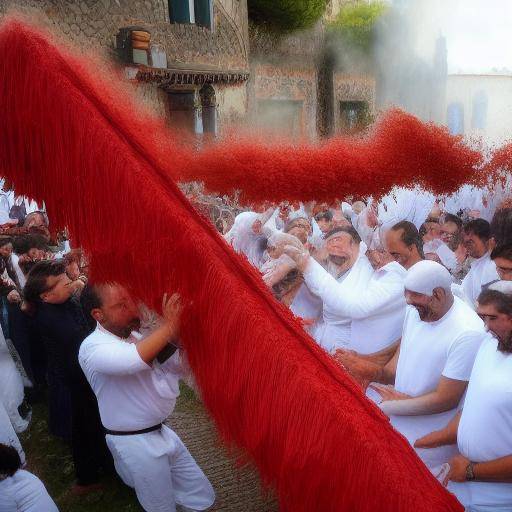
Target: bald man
point(428, 375)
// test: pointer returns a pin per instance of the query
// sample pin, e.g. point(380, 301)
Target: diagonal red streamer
point(104, 170)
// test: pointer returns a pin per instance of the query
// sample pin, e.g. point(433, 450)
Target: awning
point(170, 77)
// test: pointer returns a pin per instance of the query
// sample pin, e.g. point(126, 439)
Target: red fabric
point(69, 138)
point(400, 150)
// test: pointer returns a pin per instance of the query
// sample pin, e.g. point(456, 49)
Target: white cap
point(502, 286)
point(425, 276)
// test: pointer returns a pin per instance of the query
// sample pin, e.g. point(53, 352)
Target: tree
point(286, 15)
point(355, 24)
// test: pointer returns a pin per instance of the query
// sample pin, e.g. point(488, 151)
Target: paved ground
point(238, 490)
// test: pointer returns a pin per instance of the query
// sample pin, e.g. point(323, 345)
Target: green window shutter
point(179, 11)
point(203, 13)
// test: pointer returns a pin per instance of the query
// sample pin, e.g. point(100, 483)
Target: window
point(354, 116)
point(455, 115)
point(199, 12)
point(183, 113)
point(479, 118)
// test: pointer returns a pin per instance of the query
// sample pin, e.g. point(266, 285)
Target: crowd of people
point(411, 295)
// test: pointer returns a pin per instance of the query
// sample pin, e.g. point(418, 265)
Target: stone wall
point(94, 23)
point(287, 84)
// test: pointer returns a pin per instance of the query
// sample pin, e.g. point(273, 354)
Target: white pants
point(161, 470)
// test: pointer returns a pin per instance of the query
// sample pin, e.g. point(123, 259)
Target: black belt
point(132, 432)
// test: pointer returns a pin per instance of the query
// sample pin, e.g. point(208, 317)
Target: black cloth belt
point(132, 432)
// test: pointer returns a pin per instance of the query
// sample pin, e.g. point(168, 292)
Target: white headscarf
point(243, 239)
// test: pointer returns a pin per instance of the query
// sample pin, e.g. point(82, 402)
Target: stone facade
point(93, 24)
point(219, 77)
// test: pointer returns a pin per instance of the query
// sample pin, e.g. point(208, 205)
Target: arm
point(497, 470)
point(151, 346)
point(360, 303)
point(446, 397)
point(446, 436)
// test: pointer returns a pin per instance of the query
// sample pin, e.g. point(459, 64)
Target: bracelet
point(470, 473)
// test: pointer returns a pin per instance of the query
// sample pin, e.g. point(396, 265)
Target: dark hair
point(453, 218)
point(10, 460)
point(410, 235)
point(345, 229)
point(36, 279)
point(5, 240)
point(480, 228)
point(325, 215)
point(22, 244)
point(501, 226)
point(502, 251)
point(90, 299)
point(501, 301)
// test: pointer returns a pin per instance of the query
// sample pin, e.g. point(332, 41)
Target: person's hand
point(77, 286)
point(172, 308)
point(457, 472)
point(283, 265)
point(301, 258)
point(362, 370)
point(388, 392)
point(432, 440)
point(14, 297)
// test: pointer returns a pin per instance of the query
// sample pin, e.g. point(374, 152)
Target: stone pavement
point(237, 489)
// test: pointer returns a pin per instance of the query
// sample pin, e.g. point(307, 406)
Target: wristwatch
point(470, 474)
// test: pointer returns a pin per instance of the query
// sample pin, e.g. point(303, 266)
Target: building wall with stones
point(222, 52)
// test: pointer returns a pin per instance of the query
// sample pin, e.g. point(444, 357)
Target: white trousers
point(161, 470)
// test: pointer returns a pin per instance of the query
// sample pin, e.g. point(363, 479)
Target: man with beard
point(480, 475)
point(430, 371)
point(347, 270)
point(452, 235)
point(136, 382)
point(479, 244)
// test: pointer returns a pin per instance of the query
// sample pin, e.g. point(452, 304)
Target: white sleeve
point(112, 358)
point(461, 356)
point(359, 303)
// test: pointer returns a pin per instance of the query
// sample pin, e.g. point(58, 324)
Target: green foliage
point(286, 15)
point(355, 24)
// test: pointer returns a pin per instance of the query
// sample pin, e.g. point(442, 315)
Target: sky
point(478, 32)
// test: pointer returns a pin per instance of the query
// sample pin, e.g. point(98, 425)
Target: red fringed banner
point(68, 138)
point(400, 150)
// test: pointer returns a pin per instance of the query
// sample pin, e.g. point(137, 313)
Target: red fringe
point(69, 138)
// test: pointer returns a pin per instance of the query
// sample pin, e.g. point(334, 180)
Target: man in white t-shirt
point(136, 383)
point(21, 491)
point(478, 242)
point(440, 338)
point(348, 270)
point(480, 475)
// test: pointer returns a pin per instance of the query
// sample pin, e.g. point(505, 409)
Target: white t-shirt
point(24, 492)
point(485, 428)
point(428, 351)
point(482, 272)
point(334, 330)
point(378, 310)
point(131, 395)
point(306, 305)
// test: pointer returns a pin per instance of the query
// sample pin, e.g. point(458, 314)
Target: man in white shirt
point(430, 371)
point(480, 475)
point(502, 257)
point(21, 491)
point(478, 242)
point(348, 270)
point(136, 391)
point(376, 308)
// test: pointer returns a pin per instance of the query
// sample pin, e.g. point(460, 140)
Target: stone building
point(191, 62)
point(199, 64)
